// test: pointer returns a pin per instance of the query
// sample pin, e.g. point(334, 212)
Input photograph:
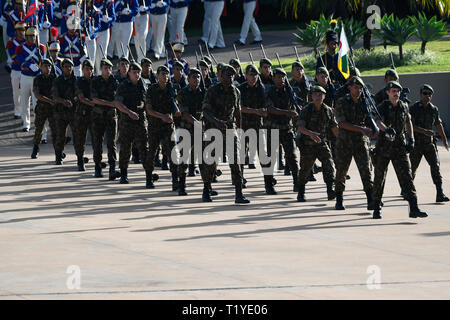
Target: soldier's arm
point(281, 112)
point(82, 98)
point(58, 99)
point(150, 111)
point(441, 132)
point(207, 107)
point(99, 101)
point(39, 96)
point(344, 124)
point(423, 131)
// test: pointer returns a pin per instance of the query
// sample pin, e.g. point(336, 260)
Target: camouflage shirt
point(133, 97)
point(190, 101)
point(352, 112)
point(278, 98)
point(426, 118)
point(396, 118)
point(329, 100)
point(65, 89)
point(180, 84)
point(159, 99)
point(380, 96)
point(301, 91)
point(43, 85)
point(105, 90)
point(317, 120)
point(84, 86)
point(222, 104)
point(252, 97)
point(149, 79)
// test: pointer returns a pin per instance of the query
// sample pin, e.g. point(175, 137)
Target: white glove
point(142, 9)
point(58, 14)
point(34, 67)
point(160, 4)
point(125, 11)
point(46, 25)
point(105, 19)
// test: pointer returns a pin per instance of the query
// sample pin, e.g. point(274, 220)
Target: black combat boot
point(149, 180)
point(330, 192)
point(174, 181)
point(251, 166)
point(239, 197)
point(301, 194)
point(268, 184)
point(311, 177)
point(339, 201)
point(414, 211)
point(376, 210)
point(182, 187)
point(316, 168)
point(370, 203)
point(98, 170)
point(280, 161)
point(191, 172)
point(123, 176)
point(80, 164)
point(211, 191)
point(113, 174)
point(58, 159)
point(440, 196)
point(35, 152)
point(164, 163)
point(295, 181)
point(206, 196)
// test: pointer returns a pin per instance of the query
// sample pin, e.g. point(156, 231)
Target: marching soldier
point(390, 75)
point(204, 68)
point(63, 92)
point(108, 16)
point(313, 123)
point(178, 78)
point(392, 146)
point(265, 65)
point(221, 110)
point(45, 20)
point(72, 48)
point(425, 115)
point(281, 113)
point(122, 73)
point(44, 110)
point(91, 23)
point(190, 101)
point(322, 76)
point(28, 57)
point(239, 78)
point(15, 16)
point(148, 76)
point(299, 82)
point(11, 47)
point(353, 141)
point(83, 112)
point(104, 118)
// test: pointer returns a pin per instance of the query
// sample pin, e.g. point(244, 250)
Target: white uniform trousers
point(215, 35)
point(206, 21)
point(103, 41)
point(122, 34)
point(43, 36)
point(91, 47)
point(112, 40)
point(159, 22)
point(15, 83)
point(26, 93)
point(141, 27)
point(175, 22)
point(249, 22)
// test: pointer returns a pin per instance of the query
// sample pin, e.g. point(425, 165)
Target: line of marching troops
point(331, 123)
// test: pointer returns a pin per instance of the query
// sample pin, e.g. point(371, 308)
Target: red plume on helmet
point(53, 33)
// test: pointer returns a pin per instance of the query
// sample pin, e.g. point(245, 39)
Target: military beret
point(356, 80)
point(106, 62)
point(426, 87)
point(47, 61)
point(318, 88)
point(67, 61)
point(135, 66)
point(331, 36)
point(207, 59)
point(297, 64)
point(227, 67)
point(264, 61)
point(203, 63)
point(279, 71)
point(234, 62)
point(392, 73)
point(220, 65)
point(162, 69)
point(321, 70)
point(124, 59)
point(178, 64)
point(393, 84)
point(146, 60)
point(251, 69)
point(88, 63)
point(194, 71)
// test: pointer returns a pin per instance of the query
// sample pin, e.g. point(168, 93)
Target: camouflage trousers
point(133, 133)
point(104, 124)
point(63, 119)
point(358, 149)
point(402, 168)
point(309, 155)
point(182, 167)
point(44, 112)
point(157, 136)
point(429, 151)
point(82, 123)
point(287, 140)
point(246, 145)
point(208, 170)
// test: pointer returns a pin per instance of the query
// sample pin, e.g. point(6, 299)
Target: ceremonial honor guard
point(176, 19)
point(107, 17)
point(158, 20)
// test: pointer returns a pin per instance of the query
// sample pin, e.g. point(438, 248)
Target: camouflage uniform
point(352, 144)
point(83, 116)
point(222, 105)
point(104, 119)
point(133, 97)
point(426, 118)
point(380, 96)
point(319, 121)
point(301, 91)
point(395, 151)
point(43, 110)
point(64, 88)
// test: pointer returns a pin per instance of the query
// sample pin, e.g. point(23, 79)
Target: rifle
point(142, 51)
point(202, 81)
point(131, 54)
point(241, 74)
point(404, 91)
point(308, 86)
point(263, 51)
point(171, 89)
point(105, 9)
point(290, 90)
point(103, 52)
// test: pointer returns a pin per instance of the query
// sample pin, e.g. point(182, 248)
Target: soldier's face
point(123, 67)
point(134, 75)
point(298, 72)
point(251, 78)
point(266, 69)
point(163, 77)
point(278, 79)
point(322, 79)
point(106, 70)
point(177, 71)
point(146, 67)
point(318, 97)
point(31, 39)
point(332, 46)
point(87, 72)
point(204, 71)
point(20, 33)
point(67, 69)
point(426, 96)
point(53, 54)
point(194, 80)
point(45, 68)
point(236, 67)
point(355, 90)
point(394, 94)
point(227, 78)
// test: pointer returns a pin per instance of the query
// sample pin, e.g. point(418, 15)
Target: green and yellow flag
point(344, 50)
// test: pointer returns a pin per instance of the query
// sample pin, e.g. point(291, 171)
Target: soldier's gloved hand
point(58, 14)
point(410, 145)
point(142, 9)
point(160, 4)
point(46, 25)
point(34, 67)
point(390, 131)
point(125, 11)
point(105, 19)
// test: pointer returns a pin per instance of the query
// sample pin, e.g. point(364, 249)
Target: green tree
point(428, 30)
point(312, 36)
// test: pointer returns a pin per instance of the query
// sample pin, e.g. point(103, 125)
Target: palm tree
point(428, 30)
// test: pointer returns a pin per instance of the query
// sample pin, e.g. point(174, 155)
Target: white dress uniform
point(176, 20)
point(126, 11)
point(141, 26)
point(107, 16)
point(158, 18)
point(212, 30)
point(249, 22)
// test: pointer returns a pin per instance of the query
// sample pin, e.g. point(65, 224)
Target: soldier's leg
point(343, 160)
point(287, 140)
point(363, 162)
point(126, 137)
point(98, 131)
point(61, 127)
point(111, 138)
point(432, 157)
point(307, 159)
point(328, 170)
point(153, 144)
point(167, 145)
point(415, 157)
point(39, 121)
point(52, 124)
point(381, 167)
point(79, 131)
point(207, 172)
